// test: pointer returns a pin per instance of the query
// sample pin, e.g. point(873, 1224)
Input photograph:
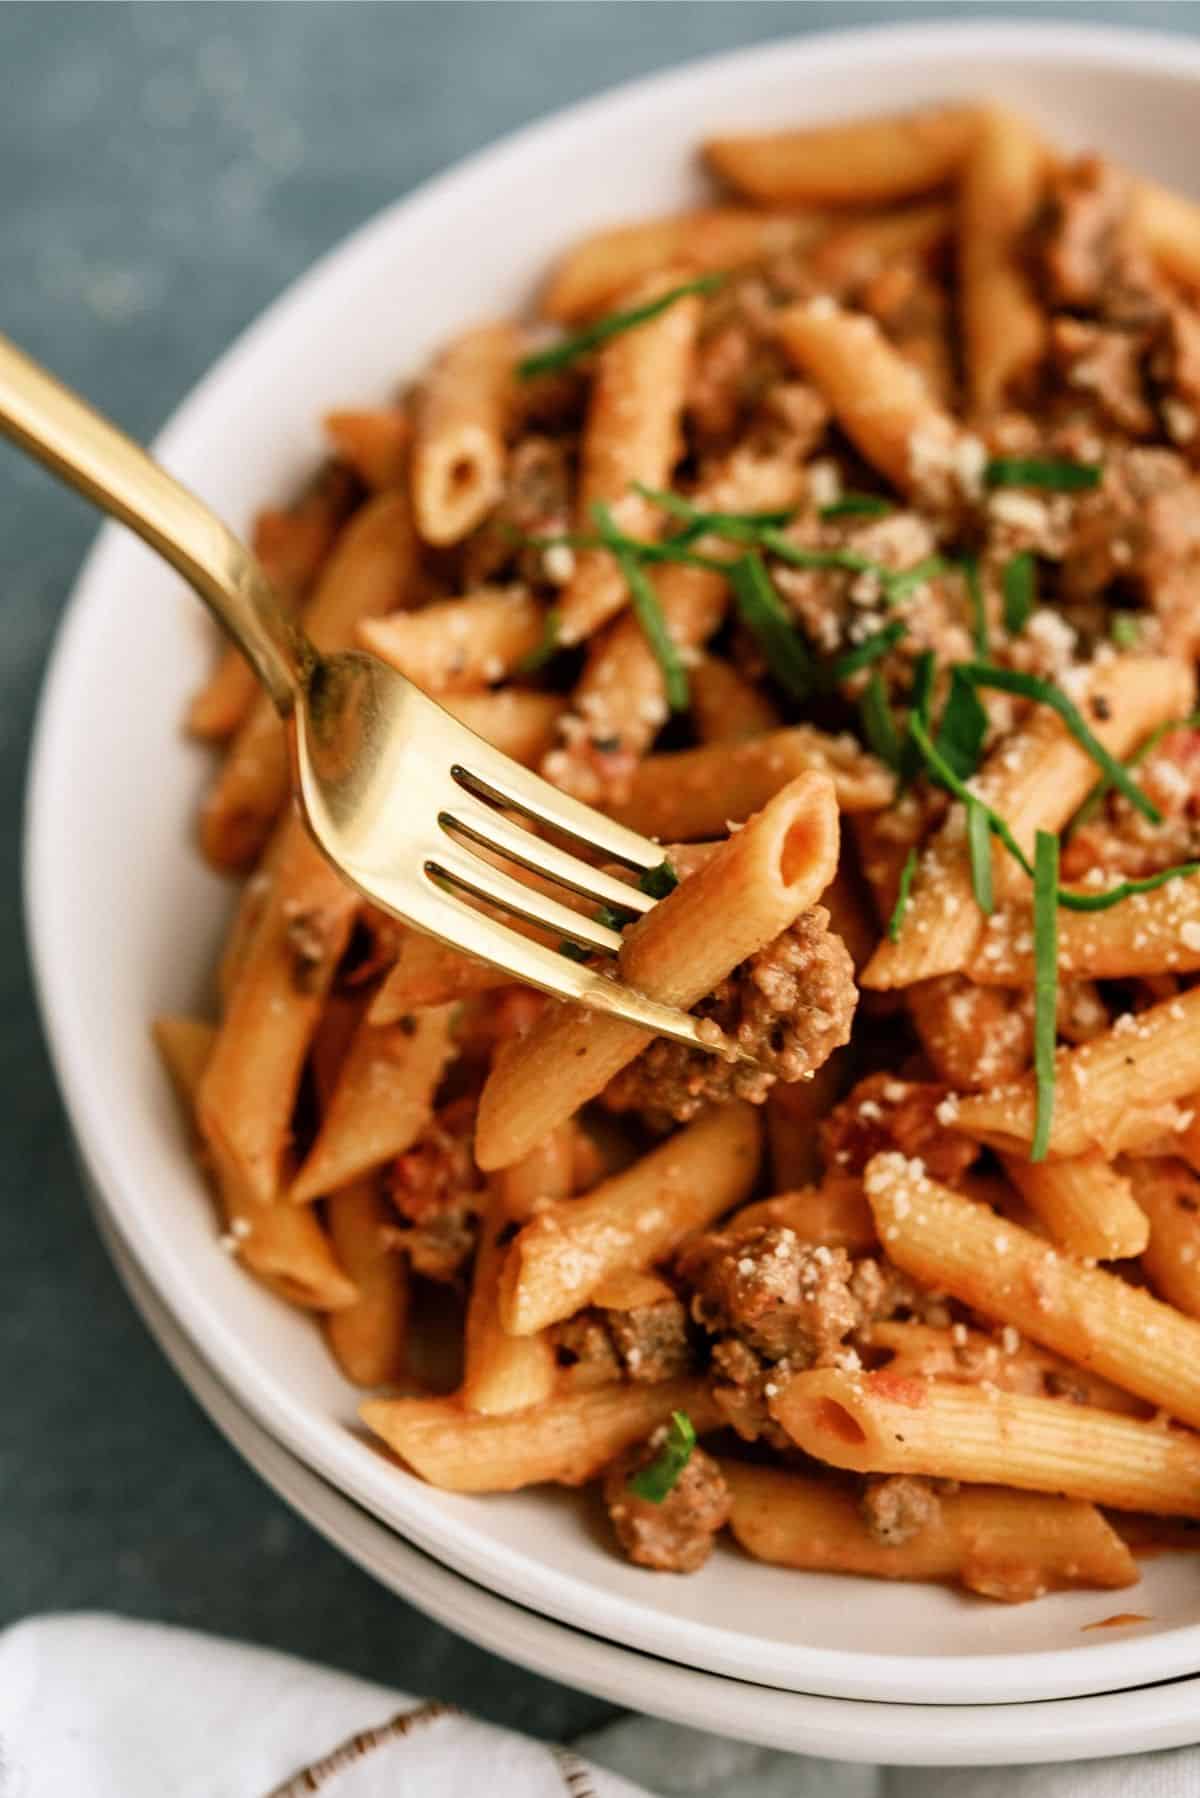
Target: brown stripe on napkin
point(575, 1776)
point(311, 1779)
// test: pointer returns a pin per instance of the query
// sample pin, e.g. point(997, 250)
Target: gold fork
point(408, 804)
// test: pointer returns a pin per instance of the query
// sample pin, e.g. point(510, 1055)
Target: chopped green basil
point(555, 540)
point(979, 844)
point(979, 624)
point(898, 586)
point(919, 700)
point(1103, 788)
point(739, 527)
point(894, 584)
point(766, 617)
point(871, 649)
point(544, 651)
point(561, 355)
point(849, 560)
point(1049, 472)
point(924, 670)
point(878, 723)
point(963, 726)
point(1020, 591)
point(945, 776)
point(857, 505)
point(658, 1480)
point(763, 531)
point(1125, 630)
point(1029, 686)
point(647, 610)
point(1071, 900)
point(896, 921)
point(657, 882)
point(1151, 743)
point(660, 881)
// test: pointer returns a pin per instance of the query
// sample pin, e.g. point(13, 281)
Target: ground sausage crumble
point(677, 1535)
point(789, 1006)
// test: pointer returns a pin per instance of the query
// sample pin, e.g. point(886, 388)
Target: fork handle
point(61, 430)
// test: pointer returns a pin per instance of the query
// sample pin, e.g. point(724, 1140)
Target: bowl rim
point(319, 1441)
point(843, 1729)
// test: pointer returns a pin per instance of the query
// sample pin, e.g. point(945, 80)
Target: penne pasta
point(973, 1036)
point(382, 1098)
point(598, 271)
point(337, 1028)
point(1168, 1194)
point(620, 702)
point(996, 1542)
point(825, 498)
point(285, 1249)
point(754, 886)
point(859, 164)
point(1089, 1316)
point(249, 1086)
point(1118, 1092)
point(621, 697)
point(1088, 1208)
point(847, 899)
point(1004, 328)
point(365, 574)
point(632, 434)
point(222, 704)
point(1184, 1139)
point(633, 1220)
point(375, 443)
point(185, 1045)
point(248, 915)
point(793, 1115)
point(727, 708)
point(284, 1246)
point(881, 1423)
point(835, 1213)
point(291, 546)
point(427, 972)
point(1169, 226)
point(630, 1288)
point(602, 1148)
point(856, 250)
point(519, 723)
point(880, 400)
point(368, 1338)
point(1035, 780)
point(503, 1372)
point(1145, 935)
point(974, 1358)
point(460, 417)
point(567, 1440)
point(688, 795)
point(458, 645)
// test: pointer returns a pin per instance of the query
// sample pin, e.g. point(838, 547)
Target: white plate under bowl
point(1162, 1716)
point(125, 921)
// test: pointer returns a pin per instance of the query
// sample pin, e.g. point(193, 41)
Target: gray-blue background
point(164, 171)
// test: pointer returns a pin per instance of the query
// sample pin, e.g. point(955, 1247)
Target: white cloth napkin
point(96, 1707)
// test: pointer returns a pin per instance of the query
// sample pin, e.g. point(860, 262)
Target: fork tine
point(492, 830)
point(451, 918)
point(479, 877)
point(493, 775)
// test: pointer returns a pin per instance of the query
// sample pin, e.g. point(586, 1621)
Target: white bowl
point(124, 919)
point(843, 1729)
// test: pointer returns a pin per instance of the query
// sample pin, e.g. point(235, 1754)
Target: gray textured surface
point(164, 171)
